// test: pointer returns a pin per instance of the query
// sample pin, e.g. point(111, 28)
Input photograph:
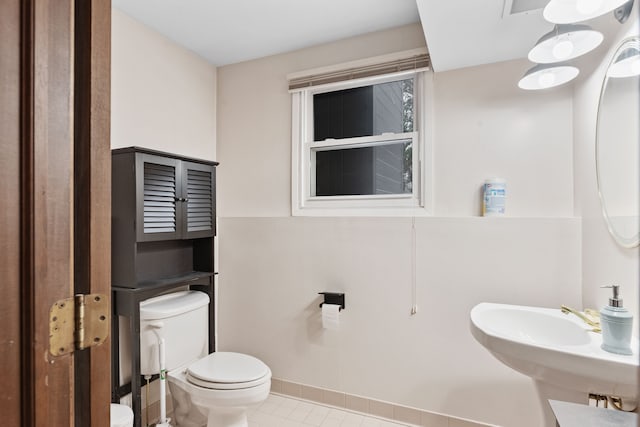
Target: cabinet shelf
point(163, 216)
point(181, 279)
point(127, 300)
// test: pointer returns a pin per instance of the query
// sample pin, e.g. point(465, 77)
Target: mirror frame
point(626, 242)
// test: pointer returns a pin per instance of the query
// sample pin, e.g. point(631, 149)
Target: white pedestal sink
point(558, 351)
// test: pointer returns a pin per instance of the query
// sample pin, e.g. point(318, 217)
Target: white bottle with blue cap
point(616, 323)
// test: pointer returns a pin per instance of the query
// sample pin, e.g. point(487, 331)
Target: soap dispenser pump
point(616, 323)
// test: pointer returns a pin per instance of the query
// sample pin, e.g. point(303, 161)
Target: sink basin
point(556, 349)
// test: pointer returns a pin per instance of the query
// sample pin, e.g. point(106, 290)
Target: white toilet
point(207, 389)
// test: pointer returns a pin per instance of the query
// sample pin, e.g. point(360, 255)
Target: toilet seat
point(228, 371)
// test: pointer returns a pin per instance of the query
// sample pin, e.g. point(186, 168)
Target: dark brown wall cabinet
point(163, 225)
point(163, 216)
point(174, 198)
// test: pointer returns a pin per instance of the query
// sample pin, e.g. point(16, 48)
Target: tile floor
point(281, 411)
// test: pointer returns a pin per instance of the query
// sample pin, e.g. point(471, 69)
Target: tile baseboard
point(377, 408)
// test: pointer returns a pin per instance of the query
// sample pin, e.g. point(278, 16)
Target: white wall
point(603, 261)
point(163, 96)
point(272, 265)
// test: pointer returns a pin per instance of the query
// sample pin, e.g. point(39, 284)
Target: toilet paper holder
point(333, 298)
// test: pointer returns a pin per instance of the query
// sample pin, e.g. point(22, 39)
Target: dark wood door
point(54, 211)
point(10, 295)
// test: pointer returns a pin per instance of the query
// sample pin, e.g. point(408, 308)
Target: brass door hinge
point(78, 323)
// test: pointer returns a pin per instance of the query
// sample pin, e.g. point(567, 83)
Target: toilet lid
point(226, 370)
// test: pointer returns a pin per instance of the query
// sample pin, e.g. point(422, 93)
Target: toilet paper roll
point(330, 316)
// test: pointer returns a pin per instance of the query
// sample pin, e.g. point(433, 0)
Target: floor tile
point(281, 411)
point(299, 414)
point(337, 414)
point(352, 420)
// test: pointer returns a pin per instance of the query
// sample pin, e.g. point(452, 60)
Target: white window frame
point(418, 203)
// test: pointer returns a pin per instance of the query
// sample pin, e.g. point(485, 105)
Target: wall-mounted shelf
point(181, 280)
point(163, 215)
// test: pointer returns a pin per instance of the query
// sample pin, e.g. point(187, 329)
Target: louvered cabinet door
point(198, 201)
point(158, 192)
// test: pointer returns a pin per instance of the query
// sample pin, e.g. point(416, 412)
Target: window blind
point(415, 62)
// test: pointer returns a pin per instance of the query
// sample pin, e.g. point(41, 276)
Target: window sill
point(363, 212)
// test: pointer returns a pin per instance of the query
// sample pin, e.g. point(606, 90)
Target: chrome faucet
point(594, 324)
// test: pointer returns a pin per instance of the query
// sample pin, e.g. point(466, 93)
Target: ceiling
point(460, 33)
point(466, 33)
point(230, 31)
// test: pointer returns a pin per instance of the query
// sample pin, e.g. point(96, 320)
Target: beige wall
point(271, 270)
point(603, 261)
point(485, 126)
point(479, 112)
point(272, 265)
point(162, 96)
point(255, 110)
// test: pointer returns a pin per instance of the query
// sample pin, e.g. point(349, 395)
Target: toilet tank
point(182, 319)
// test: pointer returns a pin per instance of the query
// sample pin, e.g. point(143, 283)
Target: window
point(362, 147)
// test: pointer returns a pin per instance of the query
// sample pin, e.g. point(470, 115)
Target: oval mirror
point(617, 144)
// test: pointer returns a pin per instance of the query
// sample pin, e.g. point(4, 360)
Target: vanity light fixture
point(627, 64)
point(544, 76)
point(565, 42)
point(571, 11)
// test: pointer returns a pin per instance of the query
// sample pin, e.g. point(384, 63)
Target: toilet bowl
point(214, 389)
point(218, 390)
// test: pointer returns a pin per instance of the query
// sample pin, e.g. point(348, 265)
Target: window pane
point(364, 111)
point(381, 169)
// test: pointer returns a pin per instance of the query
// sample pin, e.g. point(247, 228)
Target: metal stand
point(126, 302)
